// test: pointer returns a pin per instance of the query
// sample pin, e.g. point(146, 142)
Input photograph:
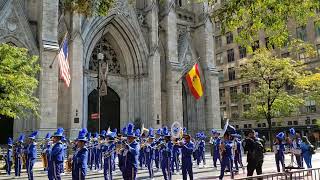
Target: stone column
point(174, 88)
point(205, 44)
point(48, 83)
point(154, 67)
point(75, 117)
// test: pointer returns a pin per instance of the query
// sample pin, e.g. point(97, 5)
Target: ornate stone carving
point(92, 85)
point(110, 57)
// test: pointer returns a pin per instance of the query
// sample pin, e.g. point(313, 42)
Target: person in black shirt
point(255, 156)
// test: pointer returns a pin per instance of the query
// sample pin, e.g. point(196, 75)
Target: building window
point(295, 123)
point(219, 58)
point(289, 87)
point(222, 93)
point(233, 94)
point(268, 45)
point(255, 46)
point(302, 33)
point(234, 112)
point(246, 89)
point(318, 50)
point(231, 74)
point(230, 55)
point(317, 28)
point(307, 120)
point(289, 123)
point(221, 76)
point(250, 125)
point(278, 123)
point(245, 126)
point(302, 55)
point(217, 26)
point(229, 37)
point(246, 107)
point(264, 125)
point(242, 52)
point(179, 3)
point(273, 123)
point(218, 41)
point(310, 106)
point(285, 55)
point(237, 126)
point(259, 125)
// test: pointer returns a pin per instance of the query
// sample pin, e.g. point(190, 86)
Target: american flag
point(64, 64)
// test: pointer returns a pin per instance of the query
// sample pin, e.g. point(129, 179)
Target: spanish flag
point(194, 82)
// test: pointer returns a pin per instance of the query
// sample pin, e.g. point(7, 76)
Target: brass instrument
point(68, 164)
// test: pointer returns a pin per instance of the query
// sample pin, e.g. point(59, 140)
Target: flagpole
point(54, 59)
point(188, 69)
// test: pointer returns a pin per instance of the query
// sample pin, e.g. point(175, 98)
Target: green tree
point(250, 17)
point(18, 72)
point(89, 7)
point(271, 75)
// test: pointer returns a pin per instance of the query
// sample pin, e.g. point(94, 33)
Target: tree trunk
point(270, 133)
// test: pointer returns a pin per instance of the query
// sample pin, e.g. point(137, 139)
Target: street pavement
point(208, 172)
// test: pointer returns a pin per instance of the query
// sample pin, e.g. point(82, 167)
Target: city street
point(208, 172)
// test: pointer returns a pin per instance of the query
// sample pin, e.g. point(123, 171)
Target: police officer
point(108, 150)
point(9, 156)
point(80, 157)
point(279, 148)
point(18, 155)
point(31, 152)
point(149, 151)
point(56, 156)
point(186, 150)
point(130, 155)
point(166, 154)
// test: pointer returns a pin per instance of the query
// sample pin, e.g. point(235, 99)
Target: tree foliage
point(251, 17)
point(271, 75)
point(18, 72)
point(89, 7)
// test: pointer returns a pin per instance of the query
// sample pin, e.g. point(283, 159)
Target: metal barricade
point(305, 174)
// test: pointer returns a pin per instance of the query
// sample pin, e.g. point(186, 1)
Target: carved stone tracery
point(110, 57)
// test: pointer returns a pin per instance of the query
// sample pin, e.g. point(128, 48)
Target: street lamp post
point(100, 58)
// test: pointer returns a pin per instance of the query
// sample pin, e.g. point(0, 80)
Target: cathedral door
point(109, 108)
point(6, 125)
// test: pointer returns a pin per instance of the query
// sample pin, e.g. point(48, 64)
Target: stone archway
point(109, 108)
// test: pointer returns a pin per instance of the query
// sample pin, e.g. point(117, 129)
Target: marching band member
point(237, 152)
point(130, 154)
point(80, 157)
point(186, 151)
point(94, 158)
point(115, 131)
point(31, 152)
point(149, 151)
point(141, 153)
point(9, 156)
point(226, 152)
point(216, 144)
point(102, 137)
point(64, 149)
point(108, 150)
point(175, 157)
point(45, 146)
point(279, 148)
point(18, 155)
point(158, 140)
point(166, 154)
point(56, 156)
point(196, 149)
point(296, 141)
point(89, 149)
point(201, 150)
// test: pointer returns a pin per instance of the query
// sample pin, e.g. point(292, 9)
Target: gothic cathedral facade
point(147, 45)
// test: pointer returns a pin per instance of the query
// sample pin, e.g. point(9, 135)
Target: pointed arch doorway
point(109, 108)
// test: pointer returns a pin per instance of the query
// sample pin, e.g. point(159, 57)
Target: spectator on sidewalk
point(254, 149)
point(307, 150)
